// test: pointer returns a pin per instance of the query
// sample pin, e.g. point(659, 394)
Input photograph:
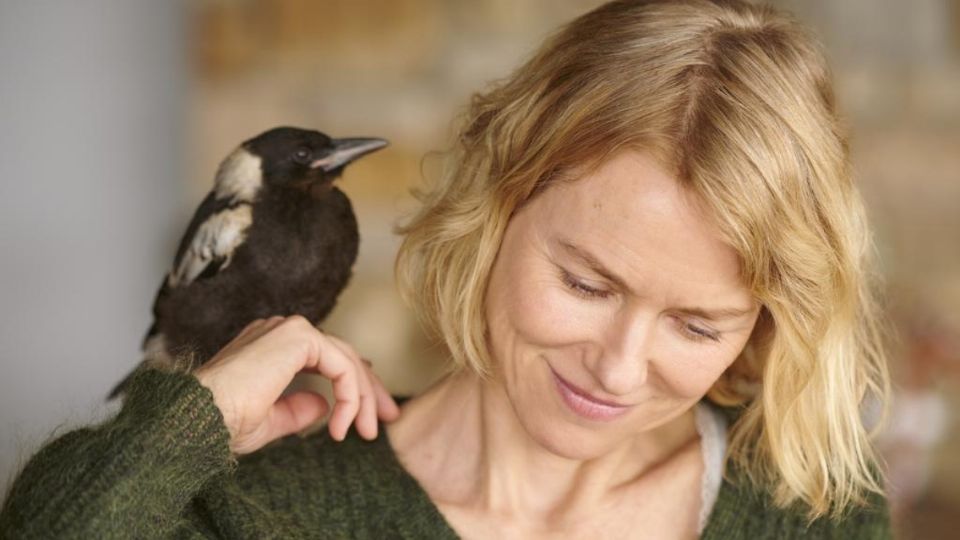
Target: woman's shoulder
point(352, 463)
point(317, 451)
point(745, 510)
point(353, 487)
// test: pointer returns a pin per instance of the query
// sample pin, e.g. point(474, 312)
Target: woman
point(647, 255)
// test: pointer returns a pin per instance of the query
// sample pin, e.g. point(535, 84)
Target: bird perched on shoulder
point(275, 236)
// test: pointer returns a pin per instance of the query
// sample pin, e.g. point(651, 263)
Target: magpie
point(274, 236)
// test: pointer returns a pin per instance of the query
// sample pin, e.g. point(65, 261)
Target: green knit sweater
point(162, 469)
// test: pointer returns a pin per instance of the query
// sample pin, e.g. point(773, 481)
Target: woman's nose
point(621, 368)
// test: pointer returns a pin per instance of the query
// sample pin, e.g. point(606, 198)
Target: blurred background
point(114, 115)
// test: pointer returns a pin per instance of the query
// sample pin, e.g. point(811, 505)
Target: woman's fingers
point(294, 412)
point(341, 370)
point(387, 409)
point(367, 421)
point(366, 412)
point(248, 376)
point(248, 365)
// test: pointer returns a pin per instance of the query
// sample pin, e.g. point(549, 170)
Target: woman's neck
point(462, 440)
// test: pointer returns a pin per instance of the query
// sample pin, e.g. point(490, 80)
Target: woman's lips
point(585, 405)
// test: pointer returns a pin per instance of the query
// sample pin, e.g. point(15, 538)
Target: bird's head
point(301, 158)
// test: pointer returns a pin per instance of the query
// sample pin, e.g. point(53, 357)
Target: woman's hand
point(248, 376)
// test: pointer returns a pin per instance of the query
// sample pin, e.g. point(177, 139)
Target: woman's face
point(618, 284)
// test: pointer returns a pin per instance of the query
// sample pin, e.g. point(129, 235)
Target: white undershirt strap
point(712, 427)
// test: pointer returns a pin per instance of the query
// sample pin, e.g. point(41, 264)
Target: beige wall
point(399, 69)
point(403, 68)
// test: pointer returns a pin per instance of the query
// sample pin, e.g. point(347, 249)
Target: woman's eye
point(697, 333)
point(580, 288)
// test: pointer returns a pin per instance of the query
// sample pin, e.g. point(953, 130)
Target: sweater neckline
point(419, 502)
point(434, 520)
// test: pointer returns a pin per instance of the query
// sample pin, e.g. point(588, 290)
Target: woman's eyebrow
point(591, 261)
point(714, 314)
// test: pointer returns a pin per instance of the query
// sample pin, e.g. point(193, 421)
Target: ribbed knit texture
point(162, 469)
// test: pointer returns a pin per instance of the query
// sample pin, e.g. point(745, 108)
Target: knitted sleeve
point(130, 477)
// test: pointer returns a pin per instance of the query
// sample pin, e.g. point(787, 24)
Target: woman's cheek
point(545, 313)
point(690, 370)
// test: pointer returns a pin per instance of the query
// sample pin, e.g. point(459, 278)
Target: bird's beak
point(347, 150)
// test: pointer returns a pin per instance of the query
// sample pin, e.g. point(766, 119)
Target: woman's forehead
point(629, 188)
point(631, 211)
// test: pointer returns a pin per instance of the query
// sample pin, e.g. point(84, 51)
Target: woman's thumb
point(295, 411)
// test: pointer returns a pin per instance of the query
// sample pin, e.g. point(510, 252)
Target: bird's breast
point(301, 240)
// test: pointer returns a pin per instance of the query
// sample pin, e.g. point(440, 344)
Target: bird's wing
point(218, 227)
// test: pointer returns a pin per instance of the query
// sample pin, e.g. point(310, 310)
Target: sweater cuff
point(179, 418)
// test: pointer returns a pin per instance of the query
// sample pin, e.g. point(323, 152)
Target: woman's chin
point(567, 440)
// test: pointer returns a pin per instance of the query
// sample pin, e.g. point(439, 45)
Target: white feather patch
point(239, 176)
point(155, 350)
point(216, 237)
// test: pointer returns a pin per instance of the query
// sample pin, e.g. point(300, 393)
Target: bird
point(274, 236)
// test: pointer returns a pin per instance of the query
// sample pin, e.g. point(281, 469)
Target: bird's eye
point(302, 155)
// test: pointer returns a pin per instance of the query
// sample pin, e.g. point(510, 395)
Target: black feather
point(295, 257)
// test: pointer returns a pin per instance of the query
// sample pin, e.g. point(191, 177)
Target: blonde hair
point(737, 100)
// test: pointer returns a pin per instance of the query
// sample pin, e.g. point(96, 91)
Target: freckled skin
point(630, 347)
point(506, 457)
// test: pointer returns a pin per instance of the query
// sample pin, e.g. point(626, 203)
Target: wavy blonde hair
point(736, 99)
